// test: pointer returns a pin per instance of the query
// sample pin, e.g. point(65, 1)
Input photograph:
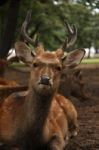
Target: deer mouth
point(45, 85)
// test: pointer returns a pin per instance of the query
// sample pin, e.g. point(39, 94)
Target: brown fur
point(39, 118)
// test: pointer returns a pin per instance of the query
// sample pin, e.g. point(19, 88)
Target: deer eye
point(58, 68)
point(35, 65)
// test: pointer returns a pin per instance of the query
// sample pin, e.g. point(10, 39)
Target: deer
point(40, 118)
point(73, 77)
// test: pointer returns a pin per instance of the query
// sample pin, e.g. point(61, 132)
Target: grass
point(91, 61)
point(17, 65)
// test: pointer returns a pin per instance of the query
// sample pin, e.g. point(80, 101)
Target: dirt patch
point(88, 110)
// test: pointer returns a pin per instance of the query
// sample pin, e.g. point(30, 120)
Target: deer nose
point(45, 80)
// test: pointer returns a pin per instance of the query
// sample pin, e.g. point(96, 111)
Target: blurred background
point(81, 85)
point(48, 21)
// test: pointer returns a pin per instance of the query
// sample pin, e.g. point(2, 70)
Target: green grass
point(91, 61)
point(17, 65)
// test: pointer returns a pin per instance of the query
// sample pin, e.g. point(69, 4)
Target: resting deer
point(40, 117)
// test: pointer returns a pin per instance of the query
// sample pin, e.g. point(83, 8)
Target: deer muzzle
point(45, 80)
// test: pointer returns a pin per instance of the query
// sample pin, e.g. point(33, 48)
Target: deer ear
point(73, 58)
point(24, 53)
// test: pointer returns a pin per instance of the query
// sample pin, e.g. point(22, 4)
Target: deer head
point(46, 66)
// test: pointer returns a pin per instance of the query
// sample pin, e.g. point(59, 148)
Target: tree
point(2, 2)
point(47, 20)
point(11, 21)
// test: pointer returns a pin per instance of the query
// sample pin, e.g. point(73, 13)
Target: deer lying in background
point(40, 118)
point(5, 82)
point(72, 84)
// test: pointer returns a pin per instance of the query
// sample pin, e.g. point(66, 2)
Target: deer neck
point(37, 107)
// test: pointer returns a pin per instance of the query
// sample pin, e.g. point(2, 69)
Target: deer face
point(46, 66)
point(45, 72)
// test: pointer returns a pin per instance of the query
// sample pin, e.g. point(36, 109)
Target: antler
point(24, 28)
point(73, 36)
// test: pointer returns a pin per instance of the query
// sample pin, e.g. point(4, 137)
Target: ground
point(88, 109)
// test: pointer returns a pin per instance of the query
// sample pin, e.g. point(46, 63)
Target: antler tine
point(72, 36)
point(24, 28)
point(37, 40)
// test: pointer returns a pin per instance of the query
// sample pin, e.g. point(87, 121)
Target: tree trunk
point(2, 2)
point(9, 33)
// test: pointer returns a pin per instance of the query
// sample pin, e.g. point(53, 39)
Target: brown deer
point(40, 118)
point(73, 78)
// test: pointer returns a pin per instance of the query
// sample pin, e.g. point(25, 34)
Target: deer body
point(42, 122)
point(40, 118)
point(21, 121)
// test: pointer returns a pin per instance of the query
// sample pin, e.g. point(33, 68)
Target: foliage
point(47, 20)
point(91, 61)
